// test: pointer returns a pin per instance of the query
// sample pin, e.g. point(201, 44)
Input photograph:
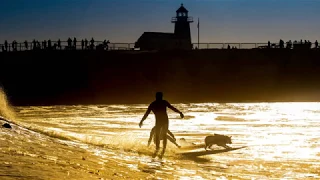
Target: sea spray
point(123, 143)
point(6, 110)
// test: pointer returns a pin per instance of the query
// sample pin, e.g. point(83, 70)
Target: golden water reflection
point(282, 138)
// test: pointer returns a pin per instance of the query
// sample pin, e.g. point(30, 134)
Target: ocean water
point(282, 139)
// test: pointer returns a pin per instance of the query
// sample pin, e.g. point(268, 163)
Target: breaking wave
point(6, 110)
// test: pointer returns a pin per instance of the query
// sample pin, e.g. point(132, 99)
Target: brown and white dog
point(218, 139)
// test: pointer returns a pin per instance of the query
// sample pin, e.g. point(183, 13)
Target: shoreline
point(146, 103)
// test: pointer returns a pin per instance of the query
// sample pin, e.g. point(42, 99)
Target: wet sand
point(29, 155)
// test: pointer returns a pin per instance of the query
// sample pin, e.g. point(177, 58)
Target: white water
point(282, 138)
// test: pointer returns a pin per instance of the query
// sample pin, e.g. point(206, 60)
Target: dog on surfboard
point(218, 139)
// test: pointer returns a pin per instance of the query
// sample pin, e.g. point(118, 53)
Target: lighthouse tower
point(182, 28)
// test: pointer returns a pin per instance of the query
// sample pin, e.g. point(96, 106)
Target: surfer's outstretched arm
point(145, 115)
point(174, 109)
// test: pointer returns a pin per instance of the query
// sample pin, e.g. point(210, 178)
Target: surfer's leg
point(157, 139)
point(158, 130)
point(164, 137)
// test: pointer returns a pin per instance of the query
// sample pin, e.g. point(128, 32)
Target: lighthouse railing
point(175, 19)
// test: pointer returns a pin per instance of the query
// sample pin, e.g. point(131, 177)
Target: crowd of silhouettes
point(90, 45)
point(49, 45)
point(294, 45)
point(233, 47)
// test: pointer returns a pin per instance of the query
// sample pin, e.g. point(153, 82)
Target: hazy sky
point(126, 20)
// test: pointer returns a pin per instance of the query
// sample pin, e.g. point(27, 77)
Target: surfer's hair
point(159, 95)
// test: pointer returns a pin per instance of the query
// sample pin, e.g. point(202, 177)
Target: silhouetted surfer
point(159, 108)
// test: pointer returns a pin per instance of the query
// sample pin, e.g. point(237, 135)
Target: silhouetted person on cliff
point(289, 44)
point(74, 43)
point(86, 43)
point(105, 44)
point(26, 44)
point(69, 43)
point(316, 44)
point(16, 45)
point(6, 45)
point(38, 45)
point(82, 44)
point(159, 108)
point(44, 44)
point(309, 44)
point(269, 44)
point(59, 44)
point(13, 45)
point(54, 47)
point(49, 44)
point(281, 43)
point(92, 43)
point(34, 44)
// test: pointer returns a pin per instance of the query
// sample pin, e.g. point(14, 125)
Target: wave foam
point(6, 110)
point(229, 118)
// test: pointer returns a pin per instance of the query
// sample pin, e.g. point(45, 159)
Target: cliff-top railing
point(21, 46)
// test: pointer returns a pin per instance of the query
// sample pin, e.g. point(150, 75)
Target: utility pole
point(198, 33)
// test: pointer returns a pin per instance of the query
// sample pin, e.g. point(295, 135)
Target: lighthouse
point(180, 39)
point(182, 27)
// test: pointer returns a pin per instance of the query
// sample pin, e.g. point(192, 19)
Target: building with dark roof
point(180, 39)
